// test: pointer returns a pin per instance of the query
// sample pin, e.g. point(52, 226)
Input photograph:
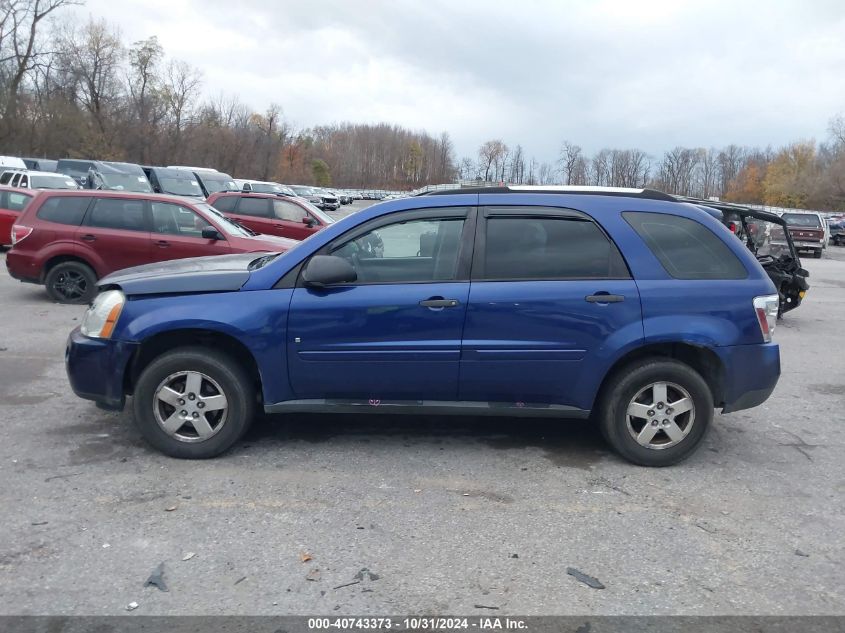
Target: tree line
point(78, 90)
point(803, 174)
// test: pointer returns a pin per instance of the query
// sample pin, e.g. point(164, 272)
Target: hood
point(272, 243)
point(218, 273)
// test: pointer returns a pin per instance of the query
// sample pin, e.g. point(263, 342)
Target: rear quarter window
point(686, 248)
point(64, 209)
point(14, 201)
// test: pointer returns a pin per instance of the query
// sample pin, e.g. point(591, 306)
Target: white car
point(37, 180)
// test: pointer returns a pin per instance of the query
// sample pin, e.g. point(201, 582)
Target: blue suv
point(623, 305)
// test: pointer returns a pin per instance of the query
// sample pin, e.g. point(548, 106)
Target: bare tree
point(489, 154)
point(570, 161)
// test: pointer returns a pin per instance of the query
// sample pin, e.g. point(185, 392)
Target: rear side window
point(64, 209)
point(258, 207)
point(549, 248)
point(686, 248)
point(117, 213)
point(226, 203)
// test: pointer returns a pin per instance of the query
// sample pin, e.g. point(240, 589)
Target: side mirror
point(327, 270)
point(210, 233)
point(308, 221)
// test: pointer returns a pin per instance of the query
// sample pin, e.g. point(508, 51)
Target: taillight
point(20, 233)
point(766, 308)
point(732, 227)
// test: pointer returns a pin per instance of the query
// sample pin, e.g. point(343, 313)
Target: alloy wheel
point(660, 415)
point(190, 406)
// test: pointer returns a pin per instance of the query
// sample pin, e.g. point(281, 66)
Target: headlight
point(101, 317)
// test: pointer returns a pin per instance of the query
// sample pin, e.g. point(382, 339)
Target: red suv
point(68, 239)
point(12, 202)
point(270, 214)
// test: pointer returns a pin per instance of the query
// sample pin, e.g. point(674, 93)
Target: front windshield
point(180, 186)
point(229, 227)
point(214, 185)
point(53, 182)
point(303, 191)
point(126, 182)
point(802, 219)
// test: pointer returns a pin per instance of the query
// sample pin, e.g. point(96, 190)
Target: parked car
point(177, 182)
point(624, 304)
point(12, 162)
point(8, 175)
point(260, 186)
point(40, 164)
point(12, 202)
point(67, 240)
point(269, 214)
point(808, 232)
point(837, 232)
point(319, 198)
point(114, 176)
point(211, 181)
point(38, 180)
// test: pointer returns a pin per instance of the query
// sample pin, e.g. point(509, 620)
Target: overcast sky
point(614, 73)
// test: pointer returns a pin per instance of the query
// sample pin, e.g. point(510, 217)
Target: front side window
point(256, 207)
point(117, 213)
point(549, 247)
point(289, 211)
point(64, 209)
point(174, 219)
point(411, 251)
point(687, 249)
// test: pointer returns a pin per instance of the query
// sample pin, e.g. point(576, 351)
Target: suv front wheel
point(193, 403)
point(656, 412)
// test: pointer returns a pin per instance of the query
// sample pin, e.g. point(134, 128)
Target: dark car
point(67, 240)
point(837, 232)
point(270, 214)
point(622, 306)
point(807, 231)
point(12, 202)
point(319, 198)
point(177, 182)
point(211, 181)
point(41, 164)
point(108, 175)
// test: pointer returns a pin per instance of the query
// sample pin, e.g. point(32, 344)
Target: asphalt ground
point(445, 515)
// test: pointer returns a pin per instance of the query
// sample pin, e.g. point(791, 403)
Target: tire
point(817, 253)
point(220, 375)
point(631, 386)
point(71, 282)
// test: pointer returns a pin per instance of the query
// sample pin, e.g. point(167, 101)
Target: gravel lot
point(446, 513)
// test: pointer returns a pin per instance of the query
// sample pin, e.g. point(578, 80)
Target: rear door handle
point(604, 298)
point(436, 302)
point(89, 238)
point(162, 243)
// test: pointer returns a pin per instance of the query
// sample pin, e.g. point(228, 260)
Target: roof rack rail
point(650, 194)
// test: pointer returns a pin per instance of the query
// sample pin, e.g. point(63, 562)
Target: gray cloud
point(608, 73)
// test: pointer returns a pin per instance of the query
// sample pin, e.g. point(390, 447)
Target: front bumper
point(751, 374)
point(96, 368)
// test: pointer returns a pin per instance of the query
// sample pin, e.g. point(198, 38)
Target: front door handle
point(439, 302)
point(162, 243)
point(89, 238)
point(604, 298)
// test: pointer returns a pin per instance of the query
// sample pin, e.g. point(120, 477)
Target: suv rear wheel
point(71, 282)
point(193, 403)
point(656, 412)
